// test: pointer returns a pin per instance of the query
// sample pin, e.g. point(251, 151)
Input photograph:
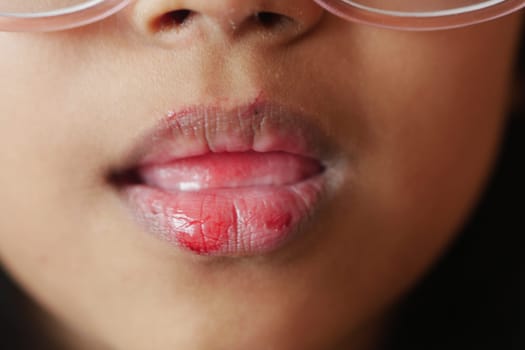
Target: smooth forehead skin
point(417, 115)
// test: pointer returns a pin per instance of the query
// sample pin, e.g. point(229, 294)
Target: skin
point(418, 116)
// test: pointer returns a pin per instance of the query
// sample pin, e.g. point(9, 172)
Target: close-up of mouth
point(240, 181)
point(261, 174)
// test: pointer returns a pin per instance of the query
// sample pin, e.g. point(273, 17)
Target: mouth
point(228, 182)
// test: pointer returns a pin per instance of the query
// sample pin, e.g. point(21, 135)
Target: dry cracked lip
point(228, 182)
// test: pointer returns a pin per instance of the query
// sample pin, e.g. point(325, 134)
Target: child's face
point(415, 119)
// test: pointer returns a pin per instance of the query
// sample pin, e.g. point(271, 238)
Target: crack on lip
point(260, 126)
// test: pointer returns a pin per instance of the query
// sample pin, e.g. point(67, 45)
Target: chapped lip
point(258, 126)
point(243, 221)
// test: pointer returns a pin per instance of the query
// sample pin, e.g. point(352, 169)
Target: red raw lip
point(236, 182)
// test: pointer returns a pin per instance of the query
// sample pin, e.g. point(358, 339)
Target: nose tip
point(173, 21)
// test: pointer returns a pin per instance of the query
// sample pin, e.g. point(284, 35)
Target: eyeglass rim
point(95, 10)
point(424, 14)
point(421, 21)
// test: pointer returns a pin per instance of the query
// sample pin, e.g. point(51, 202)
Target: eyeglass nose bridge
point(96, 10)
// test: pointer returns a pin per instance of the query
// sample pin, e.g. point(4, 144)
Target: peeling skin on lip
point(258, 127)
point(224, 222)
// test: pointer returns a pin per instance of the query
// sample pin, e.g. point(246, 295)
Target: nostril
point(270, 19)
point(173, 19)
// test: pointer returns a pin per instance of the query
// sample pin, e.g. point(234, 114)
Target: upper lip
point(259, 126)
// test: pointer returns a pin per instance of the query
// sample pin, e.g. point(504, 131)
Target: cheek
point(432, 111)
point(47, 175)
point(420, 115)
point(433, 128)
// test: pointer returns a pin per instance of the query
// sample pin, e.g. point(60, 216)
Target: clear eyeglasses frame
point(363, 11)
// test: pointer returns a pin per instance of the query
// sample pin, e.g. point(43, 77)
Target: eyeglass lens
point(40, 6)
point(418, 6)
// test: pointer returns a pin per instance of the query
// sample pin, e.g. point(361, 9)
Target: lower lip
point(236, 221)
